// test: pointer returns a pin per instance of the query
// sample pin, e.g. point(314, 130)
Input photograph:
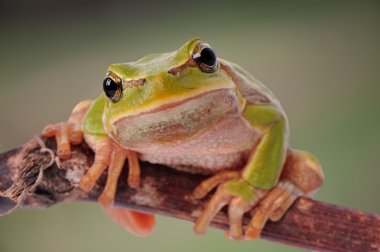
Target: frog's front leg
point(110, 154)
point(302, 175)
point(107, 154)
point(244, 190)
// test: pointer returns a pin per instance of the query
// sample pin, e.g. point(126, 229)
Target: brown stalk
point(27, 177)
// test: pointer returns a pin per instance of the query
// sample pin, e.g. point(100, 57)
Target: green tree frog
point(197, 113)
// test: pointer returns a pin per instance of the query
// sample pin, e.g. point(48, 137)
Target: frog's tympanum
point(197, 113)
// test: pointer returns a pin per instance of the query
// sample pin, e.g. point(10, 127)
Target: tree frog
point(197, 113)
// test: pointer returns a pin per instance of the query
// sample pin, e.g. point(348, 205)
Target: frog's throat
point(174, 121)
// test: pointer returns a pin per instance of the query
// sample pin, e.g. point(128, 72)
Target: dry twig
point(308, 224)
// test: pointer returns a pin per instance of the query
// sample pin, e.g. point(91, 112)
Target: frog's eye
point(206, 59)
point(112, 89)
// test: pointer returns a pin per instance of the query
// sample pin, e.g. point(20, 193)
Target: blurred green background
point(321, 58)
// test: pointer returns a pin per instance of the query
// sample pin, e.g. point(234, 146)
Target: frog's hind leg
point(281, 197)
point(69, 132)
point(302, 175)
point(107, 154)
point(237, 206)
point(110, 154)
point(139, 224)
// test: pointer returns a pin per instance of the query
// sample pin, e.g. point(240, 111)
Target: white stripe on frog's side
point(177, 122)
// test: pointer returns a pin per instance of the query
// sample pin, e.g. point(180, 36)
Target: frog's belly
point(226, 145)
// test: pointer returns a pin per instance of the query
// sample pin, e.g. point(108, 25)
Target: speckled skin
point(225, 145)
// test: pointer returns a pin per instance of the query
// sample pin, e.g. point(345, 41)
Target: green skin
point(161, 87)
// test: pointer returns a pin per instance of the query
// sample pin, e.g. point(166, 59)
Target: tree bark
point(28, 177)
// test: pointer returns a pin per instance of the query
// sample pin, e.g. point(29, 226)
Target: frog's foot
point(69, 132)
point(235, 192)
point(301, 175)
point(273, 206)
point(110, 154)
point(207, 185)
point(139, 224)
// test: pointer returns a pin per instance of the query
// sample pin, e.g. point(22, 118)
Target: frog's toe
point(134, 179)
point(273, 206)
point(109, 155)
point(50, 130)
point(277, 214)
point(207, 185)
point(302, 175)
point(116, 164)
point(222, 197)
point(69, 132)
point(76, 137)
point(236, 211)
point(64, 151)
point(65, 133)
point(217, 202)
point(240, 197)
point(102, 159)
point(61, 132)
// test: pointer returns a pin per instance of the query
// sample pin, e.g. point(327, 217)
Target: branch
point(28, 177)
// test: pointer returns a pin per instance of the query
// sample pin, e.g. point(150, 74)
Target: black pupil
point(110, 87)
point(208, 57)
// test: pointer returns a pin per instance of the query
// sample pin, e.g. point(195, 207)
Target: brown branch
point(308, 224)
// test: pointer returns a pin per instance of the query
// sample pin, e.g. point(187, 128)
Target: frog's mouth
point(226, 93)
point(176, 120)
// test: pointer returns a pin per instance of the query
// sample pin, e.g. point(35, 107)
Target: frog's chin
point(177, 120)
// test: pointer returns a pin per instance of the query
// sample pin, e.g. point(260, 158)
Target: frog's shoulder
point(92, 122)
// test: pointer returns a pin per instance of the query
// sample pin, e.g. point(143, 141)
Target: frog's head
point(168, 96)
